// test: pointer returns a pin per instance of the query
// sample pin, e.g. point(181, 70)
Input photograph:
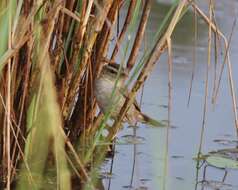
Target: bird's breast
point(103, 90)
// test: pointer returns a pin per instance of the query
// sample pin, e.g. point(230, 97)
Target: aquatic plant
point(50, 54)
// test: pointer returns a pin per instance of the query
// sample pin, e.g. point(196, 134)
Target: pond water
point(153, 168)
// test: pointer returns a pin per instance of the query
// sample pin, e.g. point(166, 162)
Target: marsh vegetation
point(53, 136)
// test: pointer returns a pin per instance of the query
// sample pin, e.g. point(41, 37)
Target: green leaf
point(222, 162)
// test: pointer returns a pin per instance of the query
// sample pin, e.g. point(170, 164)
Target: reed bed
point(50, 54)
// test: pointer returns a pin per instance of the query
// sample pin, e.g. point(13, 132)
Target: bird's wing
point(126, 94)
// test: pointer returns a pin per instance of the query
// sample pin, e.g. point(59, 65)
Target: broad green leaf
point(222, 162)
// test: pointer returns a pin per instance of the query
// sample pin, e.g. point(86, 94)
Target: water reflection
point(211, 183)
point(183, 34)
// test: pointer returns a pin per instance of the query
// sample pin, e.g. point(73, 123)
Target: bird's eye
point(112, 70)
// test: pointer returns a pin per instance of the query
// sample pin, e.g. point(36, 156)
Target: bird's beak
point(107, 61)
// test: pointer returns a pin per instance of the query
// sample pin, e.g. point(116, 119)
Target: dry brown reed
point(53, 54)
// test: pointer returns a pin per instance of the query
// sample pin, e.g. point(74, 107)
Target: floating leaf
point(177, 156)
point(231, 153)
point(131, 139)
point(142, 188)
point(222, 162)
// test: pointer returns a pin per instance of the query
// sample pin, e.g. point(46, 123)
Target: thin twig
point(228, 62)
point(70, 13)
point(194, 57)
point(224, 62)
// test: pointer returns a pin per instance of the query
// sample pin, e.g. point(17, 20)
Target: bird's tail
point(143, 118)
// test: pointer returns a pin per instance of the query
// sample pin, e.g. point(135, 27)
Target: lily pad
point(222, 162)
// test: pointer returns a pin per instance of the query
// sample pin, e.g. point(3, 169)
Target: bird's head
point(112, 71)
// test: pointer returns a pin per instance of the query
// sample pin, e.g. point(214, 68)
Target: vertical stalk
point(170, 79)
point(207, 79)
point(9, 100)
point(194, 56)
point(125, 27)
point(139, 35)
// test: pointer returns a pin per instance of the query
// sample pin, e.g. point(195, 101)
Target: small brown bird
point(105, 86)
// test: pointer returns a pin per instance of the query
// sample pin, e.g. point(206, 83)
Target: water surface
point(184, 137)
